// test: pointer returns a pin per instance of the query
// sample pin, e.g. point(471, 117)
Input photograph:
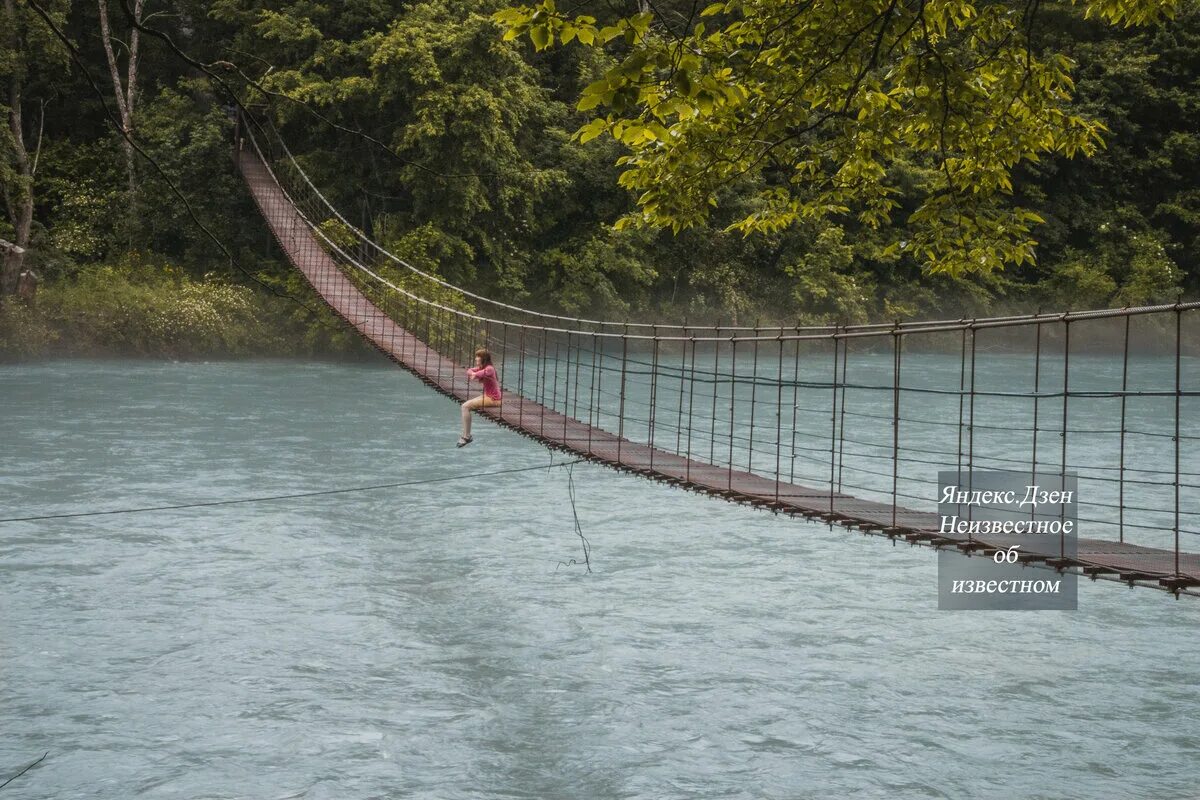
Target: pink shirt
point(486, 376)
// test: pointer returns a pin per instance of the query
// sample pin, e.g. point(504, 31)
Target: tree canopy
point(465, 153)
point(921, 108)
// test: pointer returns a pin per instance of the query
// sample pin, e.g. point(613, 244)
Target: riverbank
point(158, 311)
point(142, 308)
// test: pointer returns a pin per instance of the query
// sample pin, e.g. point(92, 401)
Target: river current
point(445, 639)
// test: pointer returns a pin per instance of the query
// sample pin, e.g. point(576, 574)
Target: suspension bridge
point(846, 424)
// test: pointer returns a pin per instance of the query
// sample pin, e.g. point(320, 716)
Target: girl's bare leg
point(472, 404)
point(467, 407)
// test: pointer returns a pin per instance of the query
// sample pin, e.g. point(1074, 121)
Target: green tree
point(30, 59)
point(1142, 84)
point(824, 99)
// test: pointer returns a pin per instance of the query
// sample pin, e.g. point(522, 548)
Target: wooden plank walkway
point(1098, 557)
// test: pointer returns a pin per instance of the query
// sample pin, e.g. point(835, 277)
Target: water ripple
point(425, 642)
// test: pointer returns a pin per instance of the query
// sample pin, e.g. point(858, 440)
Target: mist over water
point(436, 640)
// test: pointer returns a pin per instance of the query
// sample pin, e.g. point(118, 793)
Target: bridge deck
point(1096, 556)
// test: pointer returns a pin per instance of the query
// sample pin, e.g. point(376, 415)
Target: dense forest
point(456, 147)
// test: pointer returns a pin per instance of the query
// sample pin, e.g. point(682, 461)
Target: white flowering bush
point(24, 332)
point(150, 310)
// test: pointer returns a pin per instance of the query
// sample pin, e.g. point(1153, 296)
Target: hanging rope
point(587, 546)
point(26, 769)
point(290, 496)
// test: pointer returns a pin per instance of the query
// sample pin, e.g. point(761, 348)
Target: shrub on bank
point(138, 309)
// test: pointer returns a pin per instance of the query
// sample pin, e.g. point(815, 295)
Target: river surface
point(444, 639)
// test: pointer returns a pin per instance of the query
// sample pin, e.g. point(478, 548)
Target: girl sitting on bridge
point(485, 373)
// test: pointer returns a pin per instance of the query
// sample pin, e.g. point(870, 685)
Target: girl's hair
point(485, 357)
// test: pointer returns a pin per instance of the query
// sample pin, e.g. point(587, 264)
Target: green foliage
point(81, 186)
point(1150, 277)
point(828, 98)
point(400, 286)
point(1129, 268)
point(827, 283)
point(31, 64)
point(1079, 282)
point(336, 235)
point(469, 111)
point(431, 251)
point(312, 332)
point(150, 308)
point(25, 332)
point(190, 141)
point(556, 177)
point(594, 278)
point(1144, 85)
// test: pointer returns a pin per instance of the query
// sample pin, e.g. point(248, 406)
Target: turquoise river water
point(445, 640)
